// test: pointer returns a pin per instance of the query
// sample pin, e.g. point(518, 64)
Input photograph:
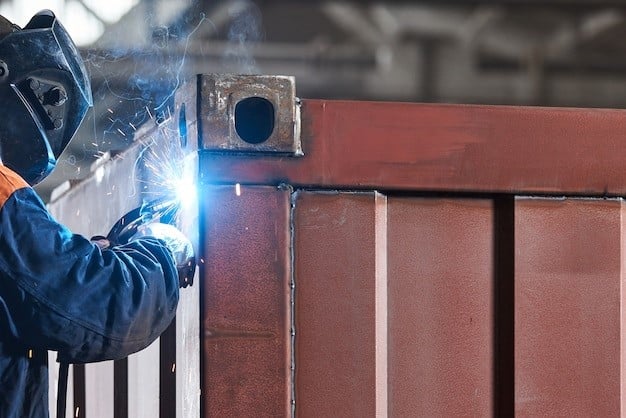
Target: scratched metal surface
point(220, 95)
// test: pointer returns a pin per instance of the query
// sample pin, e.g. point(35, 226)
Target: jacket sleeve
point(59, 291)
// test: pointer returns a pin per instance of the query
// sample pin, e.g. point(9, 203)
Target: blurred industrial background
point(523, 52)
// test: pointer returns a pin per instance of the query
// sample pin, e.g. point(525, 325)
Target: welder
point(87, 300)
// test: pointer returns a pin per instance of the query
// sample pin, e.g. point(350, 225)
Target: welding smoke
point(140, 76)
point(245, 29)
point(137, 74)
point(136, 71)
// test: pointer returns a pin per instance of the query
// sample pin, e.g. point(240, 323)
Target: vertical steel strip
point(504, 306)
point(167, 372)
point(188, 352)
point(292, 308)
point(440, 277)
point(381, 304)
point(246, 301)
point(339, 353)
point(120, 388)
point(622, 299)
point(143, 382)
point(79, 390)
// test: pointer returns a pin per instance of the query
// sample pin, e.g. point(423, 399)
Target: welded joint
point(249, 114)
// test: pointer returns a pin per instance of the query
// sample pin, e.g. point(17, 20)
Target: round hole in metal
point(254, 119)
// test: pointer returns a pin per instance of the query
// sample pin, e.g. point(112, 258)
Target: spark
point(168, 174)
point(121, 132)
point(30, 353)
point(77, 411)
point(173, 367)
point(110, 110)
point(238, 189)
point(99, 174)
point(132, 126)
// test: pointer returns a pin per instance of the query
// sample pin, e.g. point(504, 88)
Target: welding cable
point(62, 389)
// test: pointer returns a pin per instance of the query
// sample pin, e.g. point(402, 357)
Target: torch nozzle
point(163, 208)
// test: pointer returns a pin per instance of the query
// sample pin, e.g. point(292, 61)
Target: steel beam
point(445, 148)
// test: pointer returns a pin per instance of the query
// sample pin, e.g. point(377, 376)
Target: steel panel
point(246, 302)
point(470, 148)
point(341, 336)
point(568, 307)
point(143, 383)
point(440, 307)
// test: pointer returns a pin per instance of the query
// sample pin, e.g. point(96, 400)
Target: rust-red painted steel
point(246, 299)
point(429, 147)
point(394, 306)
point(568, 274)
point(338, 371)
point(440, 264)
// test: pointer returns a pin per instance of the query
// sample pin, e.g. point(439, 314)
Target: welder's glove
point(178, 244)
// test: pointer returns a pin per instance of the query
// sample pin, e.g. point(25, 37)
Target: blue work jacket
point(61, 292)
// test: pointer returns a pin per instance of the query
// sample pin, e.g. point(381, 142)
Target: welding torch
point(158, 216)
point(157, 210)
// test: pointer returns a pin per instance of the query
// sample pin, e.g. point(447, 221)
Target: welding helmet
point(44, 94)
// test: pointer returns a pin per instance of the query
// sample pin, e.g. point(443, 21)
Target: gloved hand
point(178, 244)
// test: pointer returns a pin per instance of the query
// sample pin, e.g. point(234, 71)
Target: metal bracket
point(249, 114)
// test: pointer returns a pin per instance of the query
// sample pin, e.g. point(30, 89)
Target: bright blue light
point(170, 177)
point(186, 193)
